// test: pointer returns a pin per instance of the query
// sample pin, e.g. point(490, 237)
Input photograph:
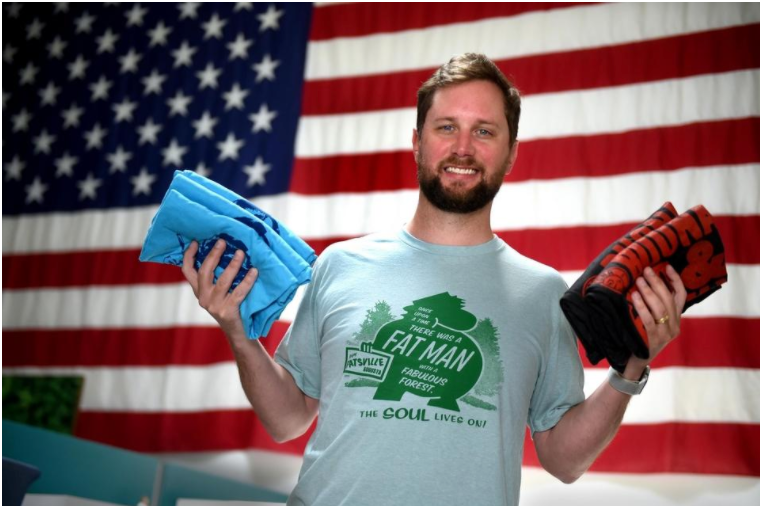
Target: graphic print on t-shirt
point(436, 350)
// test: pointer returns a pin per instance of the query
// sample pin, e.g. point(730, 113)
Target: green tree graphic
point(375, 319)
point(486, 335)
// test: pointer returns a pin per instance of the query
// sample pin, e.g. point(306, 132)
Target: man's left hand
point(660, 310)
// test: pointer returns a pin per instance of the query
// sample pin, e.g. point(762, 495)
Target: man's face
point(463, 153)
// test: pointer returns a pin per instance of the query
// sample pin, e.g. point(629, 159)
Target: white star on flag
point(179, 104)
point(214, 27)
point(28, 73)
point(56, 48)
point(8, 53)
point(100, 89)
point(34, 31)
point(21, 121)
point(35, 191)
point(204, 125)
point(173, 154)
point(188, 10)
point(269, 19)
point(208, 77)
point(124, 110)
point(266, 69)
point(135, 15)
point(256, 172)
point(239, 48)
point(159, 34)
point(234, 99)
point(229, 148)
point(118, 160)
point(14, 168)
point(48, 94)
point(129, 62)
point(77, 68)
point(153, 83)
point(142, 182)
point(88, 187)
point(84, 23)
point(107, 41)
point(263, 118)
point(71, 116)
point(65, 165)
point(43, 142)
point(183, 55)
point(148, 132)
point(95, 137)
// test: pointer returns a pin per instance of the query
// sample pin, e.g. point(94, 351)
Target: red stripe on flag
point(701, 448)
point(698, 346)
point(708, 342)
point(583, 244)
point(708, 52)
point(354, 20)
point(124, 347)
point(183, 432)
point(660, 149)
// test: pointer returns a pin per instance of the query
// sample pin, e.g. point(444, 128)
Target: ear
point(512, 156)
point(415, 141)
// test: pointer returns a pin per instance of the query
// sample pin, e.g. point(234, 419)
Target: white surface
point(203, 502)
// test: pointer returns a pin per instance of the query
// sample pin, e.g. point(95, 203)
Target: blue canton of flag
point(102, 103)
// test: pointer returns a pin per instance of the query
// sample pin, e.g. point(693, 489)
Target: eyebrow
point(453, 120)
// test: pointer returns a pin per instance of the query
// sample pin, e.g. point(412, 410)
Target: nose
point(462, 144)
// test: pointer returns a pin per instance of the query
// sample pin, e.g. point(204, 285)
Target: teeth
point(458, 170)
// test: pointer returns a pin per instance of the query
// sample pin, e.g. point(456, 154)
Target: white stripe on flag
point(563, 30)
point(706, 394)
point(554, 203)
point(157, 306)
point(670, 102)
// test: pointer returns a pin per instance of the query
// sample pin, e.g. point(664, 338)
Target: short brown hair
point(464, 68)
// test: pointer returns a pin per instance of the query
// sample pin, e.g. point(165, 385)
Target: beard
point(457, 199)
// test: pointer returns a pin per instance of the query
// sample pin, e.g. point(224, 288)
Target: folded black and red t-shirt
point(599, 305)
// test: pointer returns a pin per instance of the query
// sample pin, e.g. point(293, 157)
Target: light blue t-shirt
point(429, 361)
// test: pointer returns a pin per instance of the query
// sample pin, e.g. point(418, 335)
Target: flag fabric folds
point(307, 112)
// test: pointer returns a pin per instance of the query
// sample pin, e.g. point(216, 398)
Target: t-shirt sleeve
point(299, 350)
point(560, 383)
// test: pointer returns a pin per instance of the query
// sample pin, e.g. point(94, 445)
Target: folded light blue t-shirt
point(297, 244)
point(180, 220)
point(218, 205)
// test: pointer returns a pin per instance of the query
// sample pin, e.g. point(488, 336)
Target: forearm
point(284, 410)
point(568, 450)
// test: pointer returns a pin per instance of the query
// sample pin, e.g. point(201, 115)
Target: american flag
point(308, 111)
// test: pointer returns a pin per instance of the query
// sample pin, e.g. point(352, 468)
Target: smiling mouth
point(460, 170)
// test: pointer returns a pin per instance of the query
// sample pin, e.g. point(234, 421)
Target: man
point(429, 349)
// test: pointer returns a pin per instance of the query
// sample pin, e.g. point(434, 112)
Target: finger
point(208, 266)
point(679, 290)
point(643, 311)
point(225, 280)
point(651, 299)
point(662, 291)
point(239, 293)
point(188, 269)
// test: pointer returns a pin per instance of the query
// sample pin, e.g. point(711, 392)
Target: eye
point(446, 128)
point(484, 133)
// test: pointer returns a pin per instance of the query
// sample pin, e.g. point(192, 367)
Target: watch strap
point(627, 386)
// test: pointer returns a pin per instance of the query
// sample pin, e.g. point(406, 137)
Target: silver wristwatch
point(627, 386)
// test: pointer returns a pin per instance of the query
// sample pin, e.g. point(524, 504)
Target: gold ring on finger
point(663, 319)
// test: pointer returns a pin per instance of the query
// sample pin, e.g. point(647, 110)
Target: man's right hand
point(215, 297)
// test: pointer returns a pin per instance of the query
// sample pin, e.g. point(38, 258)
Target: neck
point(436, 226)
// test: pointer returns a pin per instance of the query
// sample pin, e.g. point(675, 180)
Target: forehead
point(471, 101)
